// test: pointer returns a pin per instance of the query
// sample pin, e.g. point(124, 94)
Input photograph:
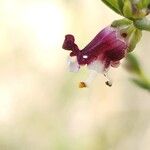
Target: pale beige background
point(41, 107)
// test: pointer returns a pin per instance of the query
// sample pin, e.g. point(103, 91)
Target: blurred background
point(41, 106)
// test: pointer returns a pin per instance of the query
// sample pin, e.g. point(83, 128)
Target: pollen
point(108, 83)
point(82, 85)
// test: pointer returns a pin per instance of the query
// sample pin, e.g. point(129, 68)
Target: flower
point(106, 50)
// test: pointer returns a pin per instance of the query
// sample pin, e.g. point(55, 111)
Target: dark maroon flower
point(105, 50)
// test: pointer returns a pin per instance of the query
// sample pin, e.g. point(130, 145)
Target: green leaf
point(143, 4)
point(121, 4)
point(134, 39)
point(127, 9)
point(133, 64)
point(141, 84)
point(121, 22)
point(142, 24)
point(113, 4)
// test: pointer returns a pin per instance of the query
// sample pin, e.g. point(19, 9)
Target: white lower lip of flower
point(73, 65)
point(97, 66)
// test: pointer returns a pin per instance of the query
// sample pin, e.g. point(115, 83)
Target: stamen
point(109, 81)
point(82, 85)
point(91, 77)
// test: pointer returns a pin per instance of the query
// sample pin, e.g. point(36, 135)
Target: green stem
point(142, 24)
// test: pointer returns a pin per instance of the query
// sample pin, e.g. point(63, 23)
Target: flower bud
point(131, 9)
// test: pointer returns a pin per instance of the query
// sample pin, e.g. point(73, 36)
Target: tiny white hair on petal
point(96, 65)
point(85, 56)
point(73, 65)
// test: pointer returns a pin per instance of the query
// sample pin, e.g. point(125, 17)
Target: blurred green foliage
point(139, 76)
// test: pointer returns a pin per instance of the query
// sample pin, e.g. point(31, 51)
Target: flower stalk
point(142, 24)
